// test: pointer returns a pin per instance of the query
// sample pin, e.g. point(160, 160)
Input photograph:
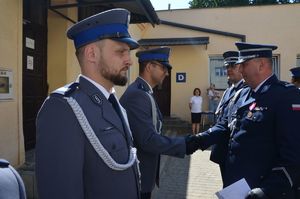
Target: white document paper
point(237, 190)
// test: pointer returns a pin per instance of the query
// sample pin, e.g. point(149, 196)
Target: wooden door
point(162, 94)
point(34, 65)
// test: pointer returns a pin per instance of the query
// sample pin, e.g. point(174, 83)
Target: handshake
point(193, 143)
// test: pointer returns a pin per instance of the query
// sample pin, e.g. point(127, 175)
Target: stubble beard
point(116, 79)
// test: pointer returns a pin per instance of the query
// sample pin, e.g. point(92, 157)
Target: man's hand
point(192, 143)
point(200, 141)
point(256, 193)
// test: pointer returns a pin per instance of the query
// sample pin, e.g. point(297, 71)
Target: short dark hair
point(194, 92)
point(296, 79)
point(142, 66)
point(79, 54)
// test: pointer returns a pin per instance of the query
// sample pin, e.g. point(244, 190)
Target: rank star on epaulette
point(296, 107)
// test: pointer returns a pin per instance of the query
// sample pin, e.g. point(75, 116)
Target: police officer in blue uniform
point(295, 73)
point(84, 146)
point(145, 118)
point(11, 183)
point(219, 151)
point(263, 123)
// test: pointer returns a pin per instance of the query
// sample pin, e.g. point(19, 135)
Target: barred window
point(276, 65)
point(218, 73)
point(298, 60)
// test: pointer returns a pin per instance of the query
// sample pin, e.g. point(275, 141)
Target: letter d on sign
point(180, 77)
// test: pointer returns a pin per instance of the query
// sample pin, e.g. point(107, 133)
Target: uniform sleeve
point(286, 171)
point(59, 152)
point(215, 135)
point(139, 111)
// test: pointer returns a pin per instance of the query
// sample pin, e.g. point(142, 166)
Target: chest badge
point(249, 114)
point(251, 108)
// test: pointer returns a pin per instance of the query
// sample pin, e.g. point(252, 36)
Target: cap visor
point(166, 64)
point(240, 61)
point(131, 42)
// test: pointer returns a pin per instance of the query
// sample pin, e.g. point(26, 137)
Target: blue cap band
point(98, 32)
point(151, 56)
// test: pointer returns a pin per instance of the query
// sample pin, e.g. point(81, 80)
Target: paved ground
point(193, 177)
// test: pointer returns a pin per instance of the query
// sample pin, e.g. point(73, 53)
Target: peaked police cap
point(110, 24)
point(249, 51)
point(160, 55)
point(230, 57)
point(295, 71)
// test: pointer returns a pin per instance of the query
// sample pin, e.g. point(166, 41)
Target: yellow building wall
point(11, 124)
point(192, 60)
point(62, 65)
point(260, 24)
point(274, 24)
point(72, 65)
point(57, 54)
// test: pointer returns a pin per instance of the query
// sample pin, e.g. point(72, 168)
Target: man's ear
point(262, 63)
point(91, 52)
point(148, 67)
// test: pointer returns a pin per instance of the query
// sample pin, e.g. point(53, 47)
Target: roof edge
point(174, 41)
point(196, 28)
point(146, 5)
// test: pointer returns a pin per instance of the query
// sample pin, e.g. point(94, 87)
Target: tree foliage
point(231, 3)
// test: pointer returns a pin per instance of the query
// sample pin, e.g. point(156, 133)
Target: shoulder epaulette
point(142, 87)
point(285, 84)
point(3, 163)
point(67, 89)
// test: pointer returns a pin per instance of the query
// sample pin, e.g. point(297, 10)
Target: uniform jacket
point(218, 152)
point(67, 166)
point(149, 143)
point(264, 140)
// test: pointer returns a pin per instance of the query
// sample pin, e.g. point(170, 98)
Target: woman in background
point(196, 109)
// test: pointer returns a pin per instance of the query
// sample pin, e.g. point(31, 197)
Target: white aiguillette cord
point(95, 142)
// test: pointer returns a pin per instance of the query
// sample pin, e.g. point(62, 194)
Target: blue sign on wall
point(180, 77)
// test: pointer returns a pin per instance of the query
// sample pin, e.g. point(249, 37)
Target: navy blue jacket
point(264, 139)
point(219, 151)
point(67, 166)
point(149, 143)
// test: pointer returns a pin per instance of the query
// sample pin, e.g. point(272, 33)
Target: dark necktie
point(232, 91)
point(251, 94)
point(112, 99)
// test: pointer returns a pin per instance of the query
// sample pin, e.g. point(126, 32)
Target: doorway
point(34, 65)
point(162, 94)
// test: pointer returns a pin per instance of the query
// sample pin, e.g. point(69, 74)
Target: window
point(218, 73)
point(298, 60)
point(276, 65)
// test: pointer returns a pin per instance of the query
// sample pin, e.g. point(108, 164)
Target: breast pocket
point(256, 116)
point(252, 120)
point(114, 143)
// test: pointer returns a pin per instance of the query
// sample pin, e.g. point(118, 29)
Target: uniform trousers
point(146, 195)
